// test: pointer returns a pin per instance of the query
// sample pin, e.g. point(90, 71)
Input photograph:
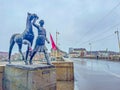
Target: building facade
point(77, 52)
point(57, 54)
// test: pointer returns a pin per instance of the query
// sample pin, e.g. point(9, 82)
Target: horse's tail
point(12, 42)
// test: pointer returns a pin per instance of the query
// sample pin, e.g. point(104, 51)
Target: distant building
point(77, 52)
point(16, 56)
point(92, 54)
point(74, 54)
point(103, 54)
point(3, 56)
point(57, 54)
point(39, 56)
point(71, 50)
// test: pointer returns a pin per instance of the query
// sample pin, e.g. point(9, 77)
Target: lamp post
point(91, 55)
point(117, 32)
point(90, 48)
point(57, 33)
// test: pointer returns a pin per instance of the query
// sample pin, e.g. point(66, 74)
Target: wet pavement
point(96, 74)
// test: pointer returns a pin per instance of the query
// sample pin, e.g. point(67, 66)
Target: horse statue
point(26, 36)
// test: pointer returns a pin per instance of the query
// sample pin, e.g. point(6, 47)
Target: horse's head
point(35, 16)
point(32, 16)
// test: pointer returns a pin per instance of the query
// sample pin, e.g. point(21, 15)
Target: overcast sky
point(79, 22)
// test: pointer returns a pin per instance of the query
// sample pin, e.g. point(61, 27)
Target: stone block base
point(29, 77)
point(1, 75)
point(64, 70)
point(65, 85)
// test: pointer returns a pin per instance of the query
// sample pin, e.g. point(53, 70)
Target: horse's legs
point(27, 52)
point(12, 42)
point(20, 47)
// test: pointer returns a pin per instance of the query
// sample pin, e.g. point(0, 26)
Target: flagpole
point(56, 38)
point(56, 45)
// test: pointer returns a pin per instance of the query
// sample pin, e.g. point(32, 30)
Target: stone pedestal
point(1, 75)
point(29, 77)
point(65, 85)
point(64, 70)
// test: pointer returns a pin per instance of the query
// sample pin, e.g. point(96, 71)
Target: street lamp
point(91, 55)
point(90, 48)
point(57, 33)
point(117, 32)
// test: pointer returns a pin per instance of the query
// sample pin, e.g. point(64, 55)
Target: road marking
point(114, 74)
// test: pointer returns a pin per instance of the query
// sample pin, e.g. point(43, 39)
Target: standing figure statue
point(40, 41)
point(25, 38)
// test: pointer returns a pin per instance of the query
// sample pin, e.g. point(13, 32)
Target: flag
point(53, 44)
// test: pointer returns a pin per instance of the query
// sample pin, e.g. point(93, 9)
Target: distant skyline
point(79, 22)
